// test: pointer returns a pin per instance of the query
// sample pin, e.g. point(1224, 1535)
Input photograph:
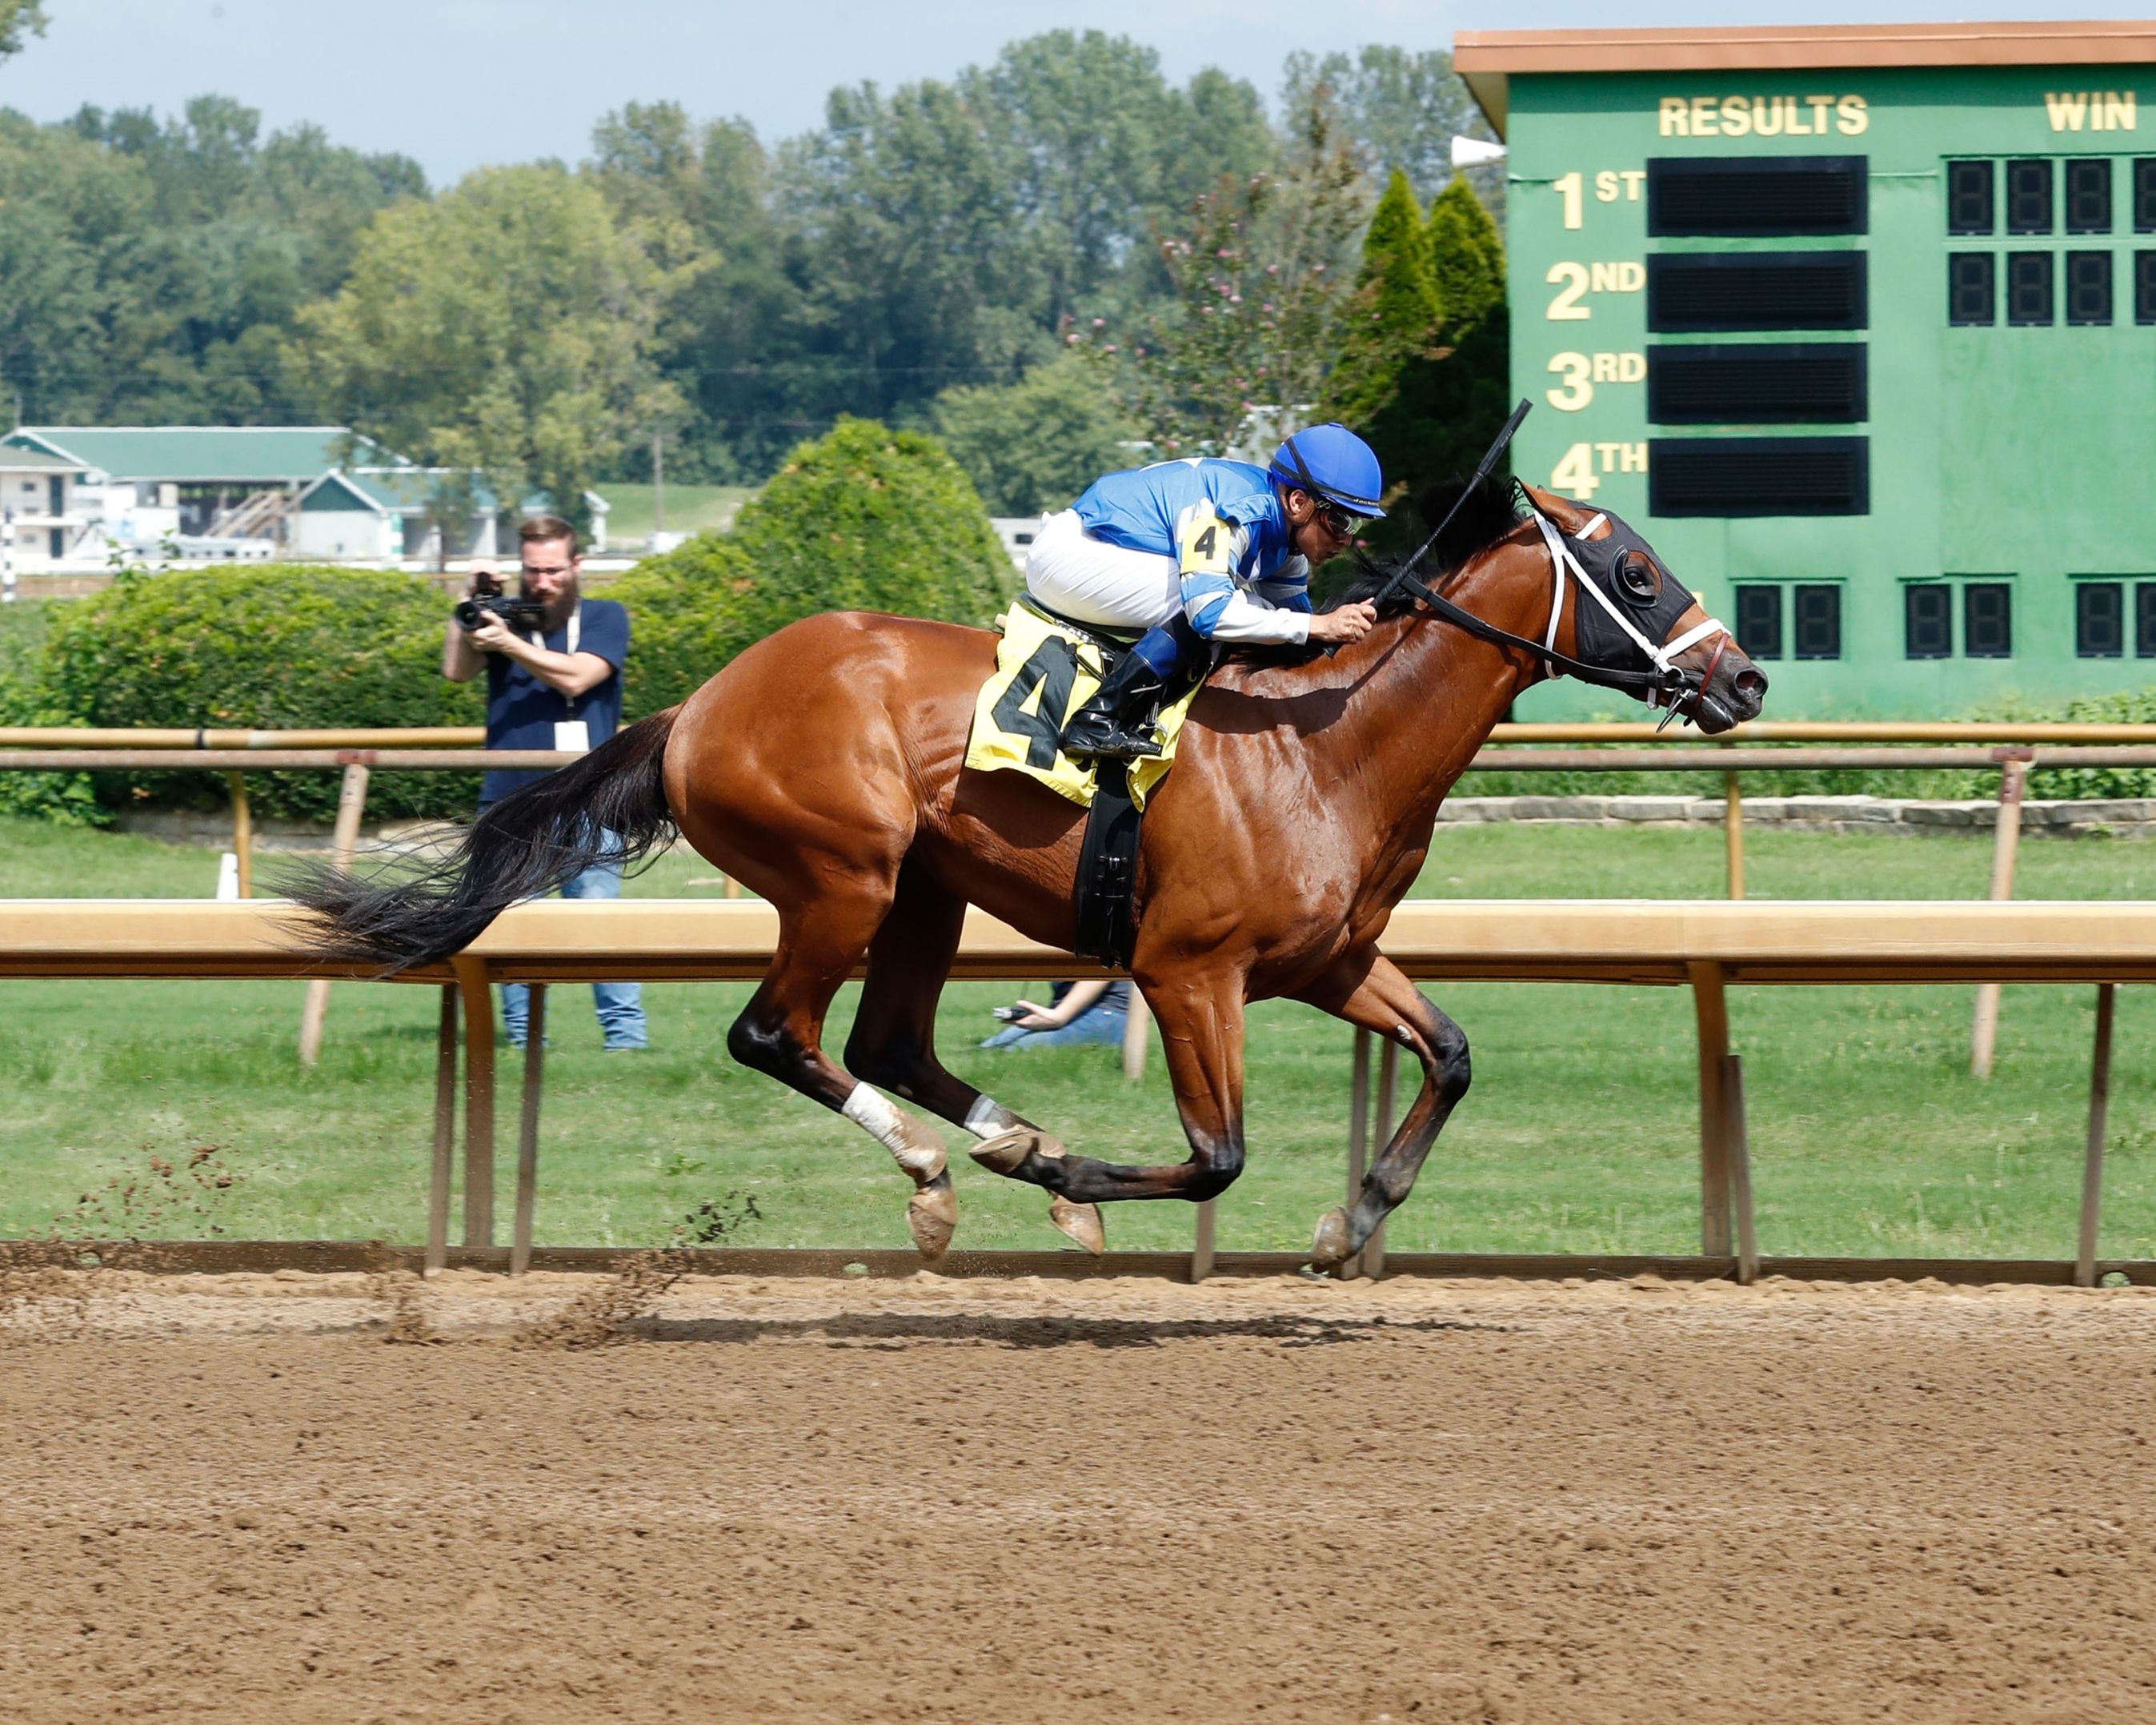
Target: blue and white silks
point(1192, 551)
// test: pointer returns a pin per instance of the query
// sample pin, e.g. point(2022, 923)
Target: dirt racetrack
point(229, 1499)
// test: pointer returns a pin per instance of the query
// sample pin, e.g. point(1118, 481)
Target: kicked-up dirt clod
point(224, 1499)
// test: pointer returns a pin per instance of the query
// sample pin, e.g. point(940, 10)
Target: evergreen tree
point(1391, 323)
point(1466, 257)
point(1470, 393)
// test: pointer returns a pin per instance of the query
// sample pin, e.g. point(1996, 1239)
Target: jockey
point(1196, 551)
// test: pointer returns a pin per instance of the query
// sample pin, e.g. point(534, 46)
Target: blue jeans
point(1097, 1023)
point(620, 1005)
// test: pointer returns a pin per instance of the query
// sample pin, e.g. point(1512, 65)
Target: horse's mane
point(1487, 513)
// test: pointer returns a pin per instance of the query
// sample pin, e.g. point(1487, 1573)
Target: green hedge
point(866, 518)
point(270, 647)
point(68, 799)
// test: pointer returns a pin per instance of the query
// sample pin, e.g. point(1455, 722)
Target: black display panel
point(1971, 207)
point(1972, 288)
point(1987, 620)
point(1819, 621)
point(2144, 287)
point(1689, 292)
point(2088, 196)
point(2099, 619)
point(2028, 278)
point(1758, 475)
point(1759, 621)
point(1739, 197)
point(1757, 383)
point(2144, 195)
point(2029, 197)
point(2088, 287)
point(1928, 621)
point(2144, 619)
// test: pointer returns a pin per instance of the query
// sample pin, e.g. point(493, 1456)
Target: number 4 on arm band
point(1207, 546)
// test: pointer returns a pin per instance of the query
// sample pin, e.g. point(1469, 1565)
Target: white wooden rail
point(1709, 946)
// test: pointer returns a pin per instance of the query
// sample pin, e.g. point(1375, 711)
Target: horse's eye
point(1637, 579)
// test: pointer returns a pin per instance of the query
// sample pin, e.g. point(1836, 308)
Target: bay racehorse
point(822, 766)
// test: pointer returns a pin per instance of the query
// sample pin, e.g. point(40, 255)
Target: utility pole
point(658, 486)
point(7, 557)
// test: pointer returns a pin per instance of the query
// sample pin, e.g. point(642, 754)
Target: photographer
point(554, 681)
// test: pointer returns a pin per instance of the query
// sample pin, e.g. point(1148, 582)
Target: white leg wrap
point(917, 1152)
point(988, 1116)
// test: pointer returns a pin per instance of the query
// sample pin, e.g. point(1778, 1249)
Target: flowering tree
point(1240, 353)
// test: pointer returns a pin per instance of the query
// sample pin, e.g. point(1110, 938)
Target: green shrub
point(275, 647)
point(2136, 706)
point(863, 519)
point(66, 798)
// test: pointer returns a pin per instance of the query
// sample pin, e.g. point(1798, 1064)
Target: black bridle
point(1680, 689)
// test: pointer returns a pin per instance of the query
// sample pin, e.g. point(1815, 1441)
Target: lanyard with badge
point(573, 734)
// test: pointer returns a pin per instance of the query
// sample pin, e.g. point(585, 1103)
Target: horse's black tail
point(608, 807)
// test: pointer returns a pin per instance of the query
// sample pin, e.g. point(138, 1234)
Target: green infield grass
point(689, 508)
point(1868, 1135)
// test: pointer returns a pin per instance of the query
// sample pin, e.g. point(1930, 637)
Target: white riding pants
point(1090, 580)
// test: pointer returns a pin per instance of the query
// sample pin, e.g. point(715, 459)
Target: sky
point(459, 84)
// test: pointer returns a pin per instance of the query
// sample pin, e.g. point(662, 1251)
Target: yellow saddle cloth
point(1045, 672)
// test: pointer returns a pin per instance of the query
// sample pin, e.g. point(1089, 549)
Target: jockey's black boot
point(1117, 723)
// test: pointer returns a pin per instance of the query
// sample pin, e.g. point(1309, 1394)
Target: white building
point(45, 513)
point(245, 493)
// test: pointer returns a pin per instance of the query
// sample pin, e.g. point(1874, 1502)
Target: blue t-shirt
point(522, 711)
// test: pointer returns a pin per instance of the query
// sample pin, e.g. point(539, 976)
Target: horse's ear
point(1560, 509)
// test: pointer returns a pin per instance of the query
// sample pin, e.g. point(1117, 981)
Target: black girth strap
point(1108, 871)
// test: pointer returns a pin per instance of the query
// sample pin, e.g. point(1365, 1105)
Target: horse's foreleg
point(1369, 991)
point(1201, 1028)
point(780, 1033)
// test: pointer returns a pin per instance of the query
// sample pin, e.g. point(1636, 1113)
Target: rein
point(1667, 683)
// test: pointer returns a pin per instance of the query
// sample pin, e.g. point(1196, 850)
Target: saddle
point(1047, 667)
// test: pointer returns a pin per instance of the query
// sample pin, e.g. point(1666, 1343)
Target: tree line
point(1049, 261)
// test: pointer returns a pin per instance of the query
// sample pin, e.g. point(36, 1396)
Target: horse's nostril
point(1749, 683)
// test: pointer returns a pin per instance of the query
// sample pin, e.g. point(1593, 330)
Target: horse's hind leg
point(780, 1033)
point(893, 1043)
point(1370, 992)
point(1200, 1017)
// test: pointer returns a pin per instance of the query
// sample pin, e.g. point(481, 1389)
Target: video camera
point(493, 602)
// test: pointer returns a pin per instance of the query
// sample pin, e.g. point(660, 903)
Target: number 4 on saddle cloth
point(1046, 669)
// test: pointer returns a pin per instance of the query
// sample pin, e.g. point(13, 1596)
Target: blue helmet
point(1330, 462)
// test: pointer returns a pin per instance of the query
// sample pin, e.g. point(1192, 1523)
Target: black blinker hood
point(1598, 639)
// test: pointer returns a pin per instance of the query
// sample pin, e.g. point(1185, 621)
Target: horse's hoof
point(932, 1213)
point(1081, 1222)
point(1330, 1249)
point(1005, 1151)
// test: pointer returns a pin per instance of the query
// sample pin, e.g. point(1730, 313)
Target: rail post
point(1358, 1132)
point(477, 998)
point(1740, 1168)
point(243, 832)
point(351, 803)
point(2006, 841)
point(445, 1132)
point(1388, 1089)
point(2092, 1152)
point(527, 1131)
point(1710, 1006)
point(1732, 831)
